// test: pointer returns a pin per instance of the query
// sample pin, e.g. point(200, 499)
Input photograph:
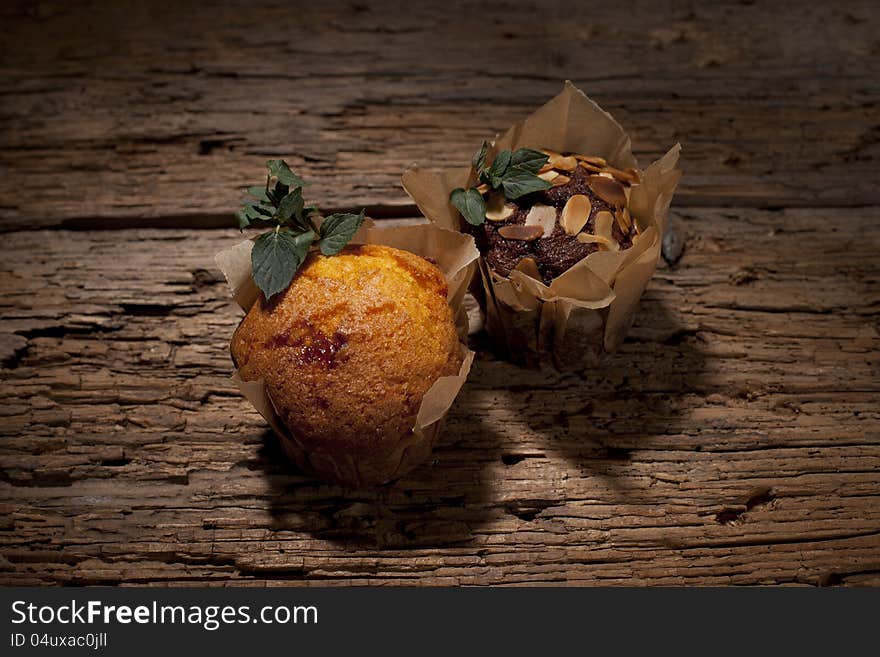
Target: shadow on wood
point(442, 502)
point(578, 415)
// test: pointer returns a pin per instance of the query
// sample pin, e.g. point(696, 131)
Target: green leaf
point(470, 203)
point(275, 258)
point(528, 159)
point(290, 206)
point(479, 158)
point(250, 212)
point(259, 207)
point(243, 219)
point(278, 192)
point(282, 172)
point(518, 182)
point(259, 192)
point(337, 230)
point(499, 166)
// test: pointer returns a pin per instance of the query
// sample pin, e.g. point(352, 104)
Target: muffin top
point(547, 232)
point(350, 348)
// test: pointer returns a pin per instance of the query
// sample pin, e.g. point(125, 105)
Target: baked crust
point(349, 350)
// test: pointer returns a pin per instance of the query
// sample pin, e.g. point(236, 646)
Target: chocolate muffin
point(546, 232)
point(348, 351)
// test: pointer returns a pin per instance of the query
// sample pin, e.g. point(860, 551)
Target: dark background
point(733, 439)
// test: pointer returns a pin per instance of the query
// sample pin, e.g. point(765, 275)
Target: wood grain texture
point(735, 438)
point(147, 114)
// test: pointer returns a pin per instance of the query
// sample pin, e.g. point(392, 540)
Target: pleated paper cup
point(586, 311)
point(456, 256)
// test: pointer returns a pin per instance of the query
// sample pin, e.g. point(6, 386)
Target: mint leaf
point(337, 230)
point(470, 203)
point(275, 258)
point(259, 192)
point(278, 254)
point(251, 212)
point(259, 207)
point(526, 158)
point(290, 206)
point(479, 158)
point(499, 166)
point(518, 182)
point(243, 219)
point(278, 192)
point(282, 172)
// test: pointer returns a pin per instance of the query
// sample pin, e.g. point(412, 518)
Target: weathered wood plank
point(131, 114)
point(734, 439)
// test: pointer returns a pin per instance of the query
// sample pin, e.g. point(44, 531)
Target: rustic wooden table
point(735, 439)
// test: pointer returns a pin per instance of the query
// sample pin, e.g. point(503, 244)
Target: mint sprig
point(514, 173)
point(280, 252)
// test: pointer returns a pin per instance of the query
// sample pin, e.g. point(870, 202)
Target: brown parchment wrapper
point(587, 310)
point(456, 256)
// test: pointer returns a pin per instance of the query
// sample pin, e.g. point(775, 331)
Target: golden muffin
point(348, 351)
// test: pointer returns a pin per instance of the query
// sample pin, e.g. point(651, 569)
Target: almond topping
point(560, 180)
point(549, 176)
point(594, 160)
point(529, 267)
point(604, 222)
point(593, 239)
point(575, 214)
point(521, 232)
point(591, 167)
point(560, 161)
point(543, 216)
point(628, 176)
point(483, 188)
point(568, 163)
point(608, 189)
point(602, 231)
point(496, 210)
point(622, 216)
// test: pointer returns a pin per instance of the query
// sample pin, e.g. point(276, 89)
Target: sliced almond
point(529, 267)
point(496, 209)
point(634, 175)
point(547, 167)
point(629, 176)
point(575, 214)
point(560, 161)
point(549, 176)
point(604, 223)
point(602, 232)
point(560, 180)
point(483, 188)
point(606, 174)
point(608, 189)
point(593, 239)
point(543, 216)
point(521, 232)
point(622, 217)
point(594, 160)
point(567, 163)
point(591, 167)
